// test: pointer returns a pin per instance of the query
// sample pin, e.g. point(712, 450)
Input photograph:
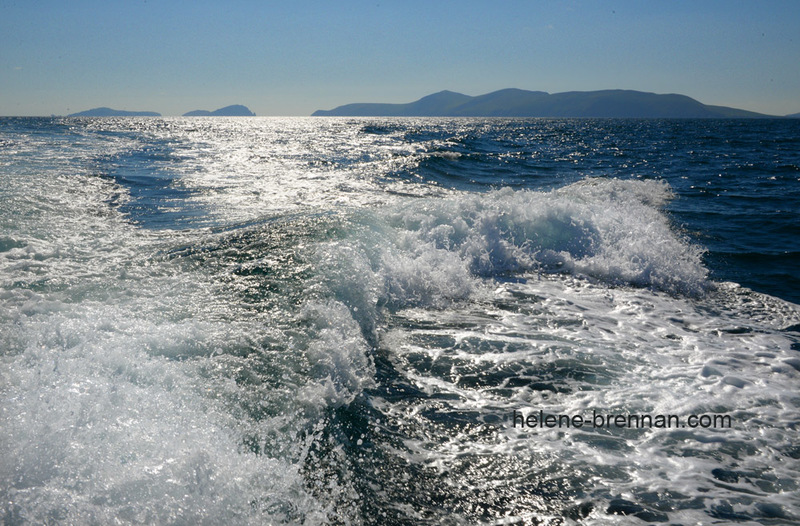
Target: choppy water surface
point(335, 321)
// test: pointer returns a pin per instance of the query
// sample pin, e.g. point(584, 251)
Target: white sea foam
point(611, 230)
point(97, 428)
point(137, 387)
point(568, 347)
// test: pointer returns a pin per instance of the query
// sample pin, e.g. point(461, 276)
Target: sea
point(399, 321)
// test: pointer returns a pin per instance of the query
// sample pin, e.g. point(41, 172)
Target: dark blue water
point(335, 321)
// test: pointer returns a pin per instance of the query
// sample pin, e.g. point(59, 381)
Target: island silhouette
point(514, 102)
point(109, 112)
point(234, 110)
point(510, 102)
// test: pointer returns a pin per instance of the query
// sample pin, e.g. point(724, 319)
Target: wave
point(433, 251)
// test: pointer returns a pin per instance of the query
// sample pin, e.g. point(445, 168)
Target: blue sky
point(291, 58)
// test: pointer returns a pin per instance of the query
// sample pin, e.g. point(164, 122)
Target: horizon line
point(54, 115)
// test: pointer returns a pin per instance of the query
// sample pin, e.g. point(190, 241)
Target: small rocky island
point(109, 112)
point(235, 110)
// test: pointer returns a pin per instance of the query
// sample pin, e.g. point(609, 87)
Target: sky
point(294, 57)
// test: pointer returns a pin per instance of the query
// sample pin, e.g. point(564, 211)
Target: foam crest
point(337, 354)
point(433, 252)
point(611, 230)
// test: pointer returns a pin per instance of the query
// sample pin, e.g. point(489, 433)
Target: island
point(109, 112)
point(523, 103)
point(235, 110)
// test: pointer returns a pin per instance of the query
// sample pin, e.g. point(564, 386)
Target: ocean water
point(381, 321)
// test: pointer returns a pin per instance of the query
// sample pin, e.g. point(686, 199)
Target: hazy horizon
point(297, 58)
point(144, 110)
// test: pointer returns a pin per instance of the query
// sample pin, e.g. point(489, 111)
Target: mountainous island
point(522, 103)
point(235, 110)
point(108, 112)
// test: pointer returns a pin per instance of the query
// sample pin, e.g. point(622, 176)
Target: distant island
point(235, 110)
point(108, 112)
point(522, 103)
